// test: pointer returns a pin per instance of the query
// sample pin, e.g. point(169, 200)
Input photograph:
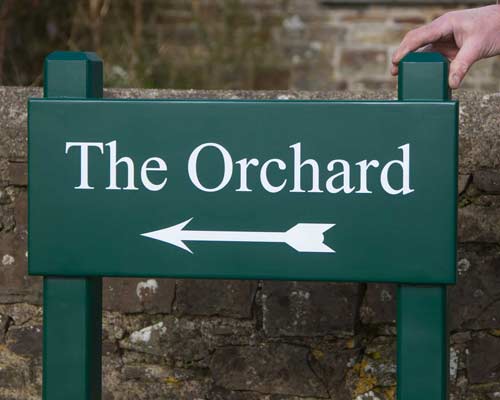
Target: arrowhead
point(172, 235)
point(308, 238)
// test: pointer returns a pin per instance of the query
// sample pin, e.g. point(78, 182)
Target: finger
point(422, 36)
point(447, 49)
point(466, 56)
point(427, 49)
point(443, 48)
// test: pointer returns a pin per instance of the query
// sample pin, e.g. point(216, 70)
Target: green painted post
point(423, 361)
point(422, 343)
point(72, 338)
point(72, 306)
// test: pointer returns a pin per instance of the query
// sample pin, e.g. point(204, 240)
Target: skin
point(464, 37)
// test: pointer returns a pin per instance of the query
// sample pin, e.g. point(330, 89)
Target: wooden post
point(423, 362)
point(72, 307)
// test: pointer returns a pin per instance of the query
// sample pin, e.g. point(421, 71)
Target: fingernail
point(454, 80)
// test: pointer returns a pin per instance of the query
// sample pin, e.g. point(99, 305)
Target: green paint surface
point(423, 343)
point(377, 236)
point(72, 338)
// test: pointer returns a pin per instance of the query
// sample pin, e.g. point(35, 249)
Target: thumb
point(466, 56)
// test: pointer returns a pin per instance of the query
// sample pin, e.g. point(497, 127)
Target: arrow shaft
point(232, 236)
point(303, 237)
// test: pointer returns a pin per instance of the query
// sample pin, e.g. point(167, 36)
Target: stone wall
point(247, 340)
point(225, 44)
point(272, 44)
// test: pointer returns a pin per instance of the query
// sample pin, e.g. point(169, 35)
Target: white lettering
point(298, 164)
point(113, 163)
point(363, 168)
point(84, 160)
point(265, 181)
point(334, 177)
point(244, 163)
point(162, 166)
point(345, 174)
point(193, 171)
point(405, 166)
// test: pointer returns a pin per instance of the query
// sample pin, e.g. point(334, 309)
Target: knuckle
point(460, 67)
point(445, 20)
point(447, 17)
point(411, 36)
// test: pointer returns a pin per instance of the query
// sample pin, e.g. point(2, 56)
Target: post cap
point(423, 76)
point(73, 56)
point(73, 74)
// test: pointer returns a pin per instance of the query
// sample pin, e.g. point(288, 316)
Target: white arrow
point(307, 238)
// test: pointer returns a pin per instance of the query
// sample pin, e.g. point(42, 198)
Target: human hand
point(463, 37)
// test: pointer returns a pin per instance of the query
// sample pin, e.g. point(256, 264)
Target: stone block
point(386, 83)
point(25, 340)
point(135, 295)
point(309, 308)
point(483, 363)
point(270, 77)
point(7, 219)
point(355, 62)
point(479, 145)
point(410, 19)
point(13, 110)
point(4, 170)
point(109, 347)
point(18, 174)
point(268, 368)
point(479, 223)
point(331, 362)
point(22, 313)
point(175, 339)
point(379, 304)
point(380, 360)
point(21, 211)
point(487, 180)
point(225, 298)
point(15, 284)
point(6, 196)
point(463, 182)
point(14, 142)
point(313, 77)
point(474, 302)
point(377, 34)
point(218, 393)
point(328, 35)
point(168, 389)
point(361, 17)
point(496, 68)
point(4, 324)
point(481, 70)
point(374, 374)
point(146, 340)
point(14, 372)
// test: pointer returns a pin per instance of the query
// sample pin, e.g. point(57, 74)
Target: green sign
point(311, 190)
point(244, 189)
